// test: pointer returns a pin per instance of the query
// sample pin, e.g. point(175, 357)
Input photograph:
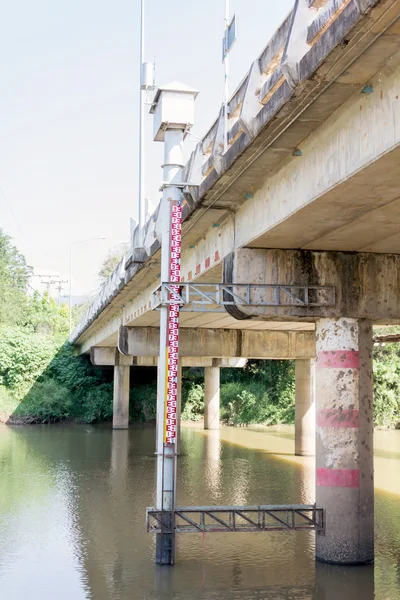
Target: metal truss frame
point(213, 297)
point(219, 519)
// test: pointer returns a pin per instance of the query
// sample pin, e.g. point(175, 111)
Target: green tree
point(78, 311)
point(111, 262)
point(45, 317)
point(14, 280)
point(387, 385)
point(23, 357)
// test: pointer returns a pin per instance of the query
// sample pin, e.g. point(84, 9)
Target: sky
point(69, 113)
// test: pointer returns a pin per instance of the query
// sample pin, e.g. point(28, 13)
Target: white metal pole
point(226, 91)
point(166, 453)
point(141, 130)
point(173, 158)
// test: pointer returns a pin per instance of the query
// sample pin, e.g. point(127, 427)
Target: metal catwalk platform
point(219, 519)
point(213, 297)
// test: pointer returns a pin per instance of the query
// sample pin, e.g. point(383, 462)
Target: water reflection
point(40, 536)
point(213, 463)
point(72, 519)
point(119, 462)
point(334, 583)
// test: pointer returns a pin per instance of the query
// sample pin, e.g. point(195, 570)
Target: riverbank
point(52, 385)
point(69, 388)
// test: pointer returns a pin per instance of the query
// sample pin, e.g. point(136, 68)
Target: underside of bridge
point(290, 248)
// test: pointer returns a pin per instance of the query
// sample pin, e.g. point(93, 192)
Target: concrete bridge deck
point(314, 135)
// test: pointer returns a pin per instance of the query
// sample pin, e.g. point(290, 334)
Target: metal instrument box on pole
point(173, 108)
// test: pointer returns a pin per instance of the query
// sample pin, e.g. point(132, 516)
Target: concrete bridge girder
point(220, 343)
point(367, 285)
point(110, 357)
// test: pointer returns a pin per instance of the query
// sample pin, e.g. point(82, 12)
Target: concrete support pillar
point(121, 397)
point(344, 450)
point(305, 408)
point(211, 397)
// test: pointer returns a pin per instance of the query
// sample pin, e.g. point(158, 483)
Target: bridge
point(290, 250)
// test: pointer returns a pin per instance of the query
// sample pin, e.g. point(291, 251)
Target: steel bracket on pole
point(219, 519)
point(213, 297)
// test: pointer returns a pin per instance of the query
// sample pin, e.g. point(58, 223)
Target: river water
point(72, 518)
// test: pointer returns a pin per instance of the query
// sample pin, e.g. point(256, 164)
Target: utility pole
point(141, 127)
point(59, 287)
point(146, 85)
point(47, 281)
point(227, 42)
point(226, 64)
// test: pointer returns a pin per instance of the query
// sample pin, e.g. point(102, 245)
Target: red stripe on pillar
point(332, 417)
point(339, 359)
point(348, 478)
point(207, 262)
point(198, 268)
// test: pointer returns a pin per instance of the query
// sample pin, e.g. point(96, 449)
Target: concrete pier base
point(305, 408)
point(344, 451)
point(211, 397)
point(121, 397)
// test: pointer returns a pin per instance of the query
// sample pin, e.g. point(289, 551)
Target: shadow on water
point(331, 583)
point(387, 454)
point(278, 432)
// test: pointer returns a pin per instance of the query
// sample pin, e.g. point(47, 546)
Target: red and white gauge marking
point(170, 421)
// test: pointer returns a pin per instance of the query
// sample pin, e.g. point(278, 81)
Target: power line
point(36, 291)
point(13, 214)
point(59, 287)
point(15, 287)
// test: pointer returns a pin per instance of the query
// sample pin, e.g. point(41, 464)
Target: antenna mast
point(141, 129)
point(226, 64)
point(230, 35)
